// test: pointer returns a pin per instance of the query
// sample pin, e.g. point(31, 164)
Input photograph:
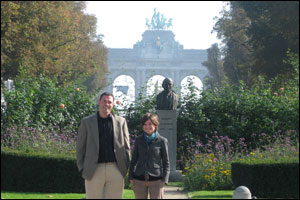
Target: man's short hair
point(106, 94)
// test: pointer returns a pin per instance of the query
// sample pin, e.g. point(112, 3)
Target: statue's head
point(168, 84)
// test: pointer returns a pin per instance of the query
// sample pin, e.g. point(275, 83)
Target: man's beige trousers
point(107, 183)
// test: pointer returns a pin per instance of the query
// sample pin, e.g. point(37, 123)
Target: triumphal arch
point(156, 54)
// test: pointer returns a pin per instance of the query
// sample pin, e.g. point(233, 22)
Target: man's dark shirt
point(106, 140)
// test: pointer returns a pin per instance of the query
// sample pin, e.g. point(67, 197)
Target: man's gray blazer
point(87, 149)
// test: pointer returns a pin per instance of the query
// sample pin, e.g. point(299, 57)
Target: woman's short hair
point(152, 117)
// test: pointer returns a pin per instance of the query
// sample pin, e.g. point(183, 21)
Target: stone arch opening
point(123, 91)
point(154, 85)
point(193, 80)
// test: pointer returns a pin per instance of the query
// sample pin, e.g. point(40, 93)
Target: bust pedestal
point(168, 129)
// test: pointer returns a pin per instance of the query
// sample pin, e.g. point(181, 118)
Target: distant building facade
point(156, 54)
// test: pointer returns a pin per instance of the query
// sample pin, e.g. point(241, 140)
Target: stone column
point(137, 82)
point(177, 81)
point(168, 129)
point(143, 79)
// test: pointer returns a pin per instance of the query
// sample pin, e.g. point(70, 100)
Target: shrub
point(36, 172)
point(268, 180)
point(209, 165)
point(238, 111)
point(29, 139)
point(41, 103)
point(208, 173)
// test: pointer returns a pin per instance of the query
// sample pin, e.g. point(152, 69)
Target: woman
point(150, 165)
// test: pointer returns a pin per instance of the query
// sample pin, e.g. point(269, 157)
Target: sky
point(123, 22)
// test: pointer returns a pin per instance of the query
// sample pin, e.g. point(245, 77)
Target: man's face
point(106, 104)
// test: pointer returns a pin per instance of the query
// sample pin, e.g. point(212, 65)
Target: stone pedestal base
point(168, 129)
point(175, 176)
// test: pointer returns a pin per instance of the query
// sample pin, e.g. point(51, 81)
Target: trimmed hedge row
point(276, 180)
point(21, 172)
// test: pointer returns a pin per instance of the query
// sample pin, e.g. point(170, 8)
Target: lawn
point(128, 194)
point(219, 194)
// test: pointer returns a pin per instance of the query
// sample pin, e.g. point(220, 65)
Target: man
point(103, 151)
point(167, 99)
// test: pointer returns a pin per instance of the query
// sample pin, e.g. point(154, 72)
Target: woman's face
point(149, 127)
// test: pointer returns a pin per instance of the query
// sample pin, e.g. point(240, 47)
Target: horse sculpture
point(158, 22)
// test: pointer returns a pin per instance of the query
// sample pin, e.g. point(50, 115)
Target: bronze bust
point(167, 99)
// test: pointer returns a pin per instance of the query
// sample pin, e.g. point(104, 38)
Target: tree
point(214, 64)
point(54, 38)
point(257, 36)
point(231, 28)
point(274, 29)
point(97, 80)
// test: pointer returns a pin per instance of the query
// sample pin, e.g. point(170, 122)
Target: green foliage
point(253, 160)
point(214, 64)
point(209, 165)
point(220, 194)
point(37, 102)
point(29, 195)
point(232, 28)
point(274, 28)
point(279, 180)
point(135, 112)
point(39, 173)
point(208, 173)
point(256, 115)
point(37, 160)
point(128, 194)
point(55, 38)
point(256, 36)
point(48, 140)
point(239, 111)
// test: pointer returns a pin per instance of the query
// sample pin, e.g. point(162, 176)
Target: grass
point(219, 194)
point(128, 194)
point(177, 184)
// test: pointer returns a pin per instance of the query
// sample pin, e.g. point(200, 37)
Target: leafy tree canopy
point(274, 29)
point(257, 35)
point(54, 38)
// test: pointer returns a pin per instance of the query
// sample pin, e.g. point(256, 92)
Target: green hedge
point(272, 180)
point(21, 172)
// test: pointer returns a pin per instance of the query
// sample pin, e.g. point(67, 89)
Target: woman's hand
point(131, 181)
